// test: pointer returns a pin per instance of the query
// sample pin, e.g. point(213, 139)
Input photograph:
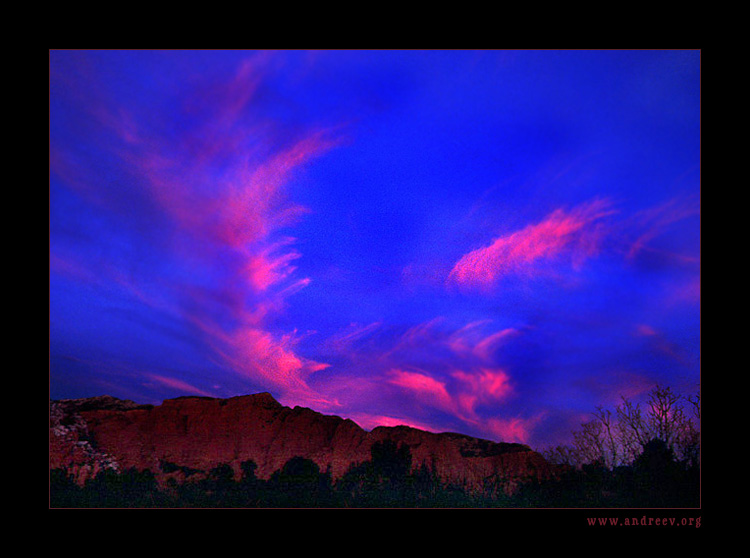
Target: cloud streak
point(213, 222)
point(651, 223)
point(568, 235)
point(431, 367)
point(217, 188)
point(179, 386)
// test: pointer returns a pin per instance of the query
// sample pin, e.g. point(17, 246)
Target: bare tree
point(689, 442)
point(666, 416)
point(697, 404)
point(563, 455)
point(618, 438)
point(611, 448)
point(590, 442)
point(631, 429)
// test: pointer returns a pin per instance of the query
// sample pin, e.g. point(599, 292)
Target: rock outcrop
point(70, 443)
point(189, 435)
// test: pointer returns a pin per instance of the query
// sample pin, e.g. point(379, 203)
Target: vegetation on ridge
point(630, 458)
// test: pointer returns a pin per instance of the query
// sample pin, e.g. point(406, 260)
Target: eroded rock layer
point(189, 435)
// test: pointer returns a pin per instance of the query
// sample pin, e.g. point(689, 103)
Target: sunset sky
point(485, 242)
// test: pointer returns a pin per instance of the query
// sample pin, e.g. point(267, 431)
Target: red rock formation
point(199, 433)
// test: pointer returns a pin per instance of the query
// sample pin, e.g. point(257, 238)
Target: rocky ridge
point(191, 435)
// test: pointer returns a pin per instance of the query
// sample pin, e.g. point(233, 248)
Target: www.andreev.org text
point(644, 521)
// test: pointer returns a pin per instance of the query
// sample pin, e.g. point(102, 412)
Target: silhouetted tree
point(660, 480)
point(249, 489)
point(248, 469)
point(220, 477)
point(300, 483)
point(384, 481)
point(219, 488)
point(618, 438)
point(131, 488)
point(639, 456)
point(63, 491)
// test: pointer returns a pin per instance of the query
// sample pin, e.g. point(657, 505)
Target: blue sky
point(488, 242)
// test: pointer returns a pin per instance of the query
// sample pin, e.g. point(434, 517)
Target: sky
point(486, 242)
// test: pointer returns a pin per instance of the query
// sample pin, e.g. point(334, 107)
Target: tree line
point(614, 438)
point(632, 456)
point(635, 455)
point(386, 480)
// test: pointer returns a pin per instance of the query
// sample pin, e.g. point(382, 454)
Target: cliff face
point(196, 434)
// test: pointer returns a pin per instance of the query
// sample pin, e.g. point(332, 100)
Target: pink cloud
point(660, 343)
point(486, 384)
point(433, 370)
point(464, 340)
point(487, 346)
point(477, 387)
point(425, 387)
point(654, 222)
point(270, 266)
point(470, 340)
point(182, 388)
point(418, 337)
point(370, 421)
point(514, 429)
point(460, 396)
point(220, 186)
point(434, 366)
point(271, 361)
point(252, 204)
point(345, 340)
point(574, 234)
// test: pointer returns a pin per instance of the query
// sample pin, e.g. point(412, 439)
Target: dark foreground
point(655, 480)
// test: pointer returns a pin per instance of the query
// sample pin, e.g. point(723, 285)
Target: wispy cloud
point(460, 395)
point(567, 238)
point(431, 367)
point(471, 339)
point(204, 229)
point(271, 360)
point(369, 421)
point(660, 344)
point(515, 429)
point(651, 223)
point(426, 388)
point(216, 194)
point(178, 386)
point(344, 340)
point(572, 235)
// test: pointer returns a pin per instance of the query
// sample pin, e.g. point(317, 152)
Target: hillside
point(186, 437)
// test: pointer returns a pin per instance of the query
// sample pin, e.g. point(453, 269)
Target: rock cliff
point(190, 435)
